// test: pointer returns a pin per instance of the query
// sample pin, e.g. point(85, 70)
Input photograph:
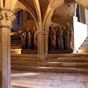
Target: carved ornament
point(7, 15)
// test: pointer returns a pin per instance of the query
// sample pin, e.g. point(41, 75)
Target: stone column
point(6, 17)
point(46, 43)
point(41, 56)
point(42, 45)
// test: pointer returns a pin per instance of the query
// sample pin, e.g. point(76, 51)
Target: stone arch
point(47, 20)
point(30, 10)
point(56, 3)
point(51, 7)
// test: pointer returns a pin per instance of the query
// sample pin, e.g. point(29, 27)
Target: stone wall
point(63, 20)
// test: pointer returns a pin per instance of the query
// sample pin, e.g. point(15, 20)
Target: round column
point(6, 17)
point(41, 46)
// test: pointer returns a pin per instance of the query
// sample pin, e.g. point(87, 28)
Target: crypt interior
point(44, 44)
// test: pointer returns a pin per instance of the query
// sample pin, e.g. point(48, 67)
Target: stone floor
point(49, 80)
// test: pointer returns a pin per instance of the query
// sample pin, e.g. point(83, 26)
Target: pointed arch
point(53, 4)
point(30, 9)
point(38, 11)
point(51, 7)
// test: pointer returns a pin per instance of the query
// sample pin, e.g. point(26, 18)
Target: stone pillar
point(41, 56)
point(46, 43)
point(6, 17)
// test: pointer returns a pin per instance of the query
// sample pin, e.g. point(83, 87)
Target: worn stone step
point(50, 69)
point(70, 59)
point(84, 47)
point(60, 63)
point(46, 64)
point(57, 58)
point(51, 64)
point(16, 46)
point(24, 57)
point(85, 44)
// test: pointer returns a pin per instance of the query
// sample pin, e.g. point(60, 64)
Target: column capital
point(6, 17)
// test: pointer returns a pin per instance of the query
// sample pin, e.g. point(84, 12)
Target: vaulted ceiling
point(42, 9)
point(60, 11)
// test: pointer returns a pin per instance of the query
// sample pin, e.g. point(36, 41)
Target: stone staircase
point(84, 47)
point(15, 42)
point(73, 63)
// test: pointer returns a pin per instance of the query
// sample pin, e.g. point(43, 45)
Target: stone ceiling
point(60, 11)
point(42, 10)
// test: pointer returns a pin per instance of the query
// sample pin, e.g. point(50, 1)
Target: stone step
point(52, 58)
point(72, 59)
point(67, 55)
point(84, 46)
point(85, 43)
point(16, 47)
point(57, 63)
point(14, 43)
point(84, 50)
point(41, 64)
point(24, 57)
point(50, 69)
point(50, 64)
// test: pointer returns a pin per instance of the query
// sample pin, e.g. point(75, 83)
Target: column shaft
point(6, 17)
point(5, 67)
point(46, 44)
point(41, 46)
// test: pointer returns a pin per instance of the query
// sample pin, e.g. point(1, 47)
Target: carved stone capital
point(6, 17)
